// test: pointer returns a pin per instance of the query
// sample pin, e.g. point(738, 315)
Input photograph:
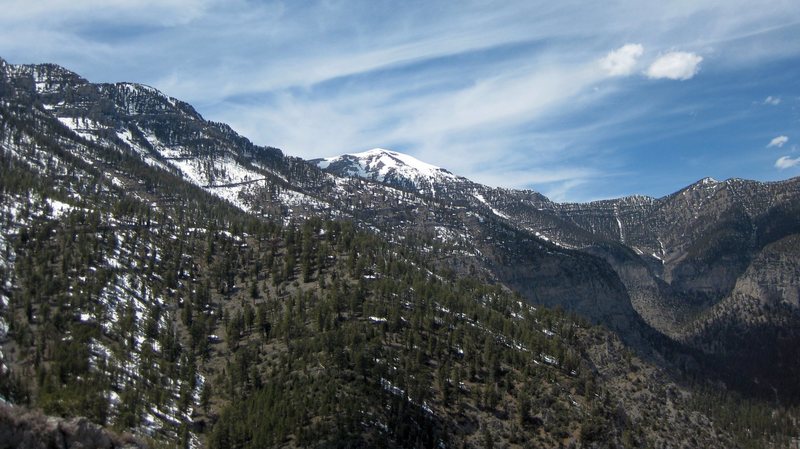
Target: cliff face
point(755, 329)
point(773, 276)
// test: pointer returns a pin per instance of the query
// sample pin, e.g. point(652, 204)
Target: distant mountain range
point(705, 281)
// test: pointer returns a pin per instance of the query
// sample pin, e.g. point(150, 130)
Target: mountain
point(163, 275)
point(691, 255)
point(167, 134)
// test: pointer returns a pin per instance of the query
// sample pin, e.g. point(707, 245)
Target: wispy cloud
point(148, 12)
point(545, 87)
point(676, 65)
point(772, 101)
point(785, 162)
point(778, 142)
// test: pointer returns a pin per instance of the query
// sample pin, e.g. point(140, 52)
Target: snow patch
point(480, 198)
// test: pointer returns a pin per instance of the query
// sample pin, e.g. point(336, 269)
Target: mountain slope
point(664, 262)
point(633, 264)
point(186, 270)
point(167, 134)
point(187, 318)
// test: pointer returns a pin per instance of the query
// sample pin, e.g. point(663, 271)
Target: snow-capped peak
point(386, 166)
point(708, 180)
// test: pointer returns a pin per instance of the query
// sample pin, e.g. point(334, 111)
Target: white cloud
point(785, 162)
point(622, 61)
point(772, 101)
point(778, 142)
point(676, 65)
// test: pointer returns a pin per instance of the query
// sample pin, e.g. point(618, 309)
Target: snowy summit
point(387, 166)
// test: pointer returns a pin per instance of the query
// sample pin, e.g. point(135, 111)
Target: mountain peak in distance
point(388, 166)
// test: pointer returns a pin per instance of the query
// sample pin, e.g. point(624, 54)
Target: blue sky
point(578, 100)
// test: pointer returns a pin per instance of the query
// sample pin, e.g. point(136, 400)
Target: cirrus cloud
point(547, 85)
point(676, 65)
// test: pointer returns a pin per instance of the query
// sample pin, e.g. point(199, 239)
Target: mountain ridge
point(244, 174)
